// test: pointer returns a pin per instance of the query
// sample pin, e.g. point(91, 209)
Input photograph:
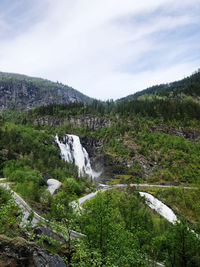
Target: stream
point(72, 151)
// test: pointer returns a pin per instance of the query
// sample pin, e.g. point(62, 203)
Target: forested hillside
point(175, 101)
point(189, 86)
point(150, 138)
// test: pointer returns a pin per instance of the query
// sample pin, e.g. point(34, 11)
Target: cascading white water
point(159, 207)
point(72, 151)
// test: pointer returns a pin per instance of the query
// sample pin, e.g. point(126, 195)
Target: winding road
point(28, 211)
point(37, 219)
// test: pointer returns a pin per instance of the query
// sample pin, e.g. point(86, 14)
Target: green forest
point(152, 137)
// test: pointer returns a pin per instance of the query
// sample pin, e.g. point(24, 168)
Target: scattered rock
point(191, 134)
point(19, 252)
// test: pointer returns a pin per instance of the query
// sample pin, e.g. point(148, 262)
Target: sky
point(106, 49)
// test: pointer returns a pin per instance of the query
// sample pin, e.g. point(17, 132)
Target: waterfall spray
point(72, 151)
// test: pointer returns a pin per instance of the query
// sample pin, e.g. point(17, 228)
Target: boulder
point(19, 252)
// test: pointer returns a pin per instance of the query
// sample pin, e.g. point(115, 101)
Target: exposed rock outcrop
point(93, 145)
point(91, 122)
point(191, 134)
point(23, 92)
point(18, 252)
point(46, 231)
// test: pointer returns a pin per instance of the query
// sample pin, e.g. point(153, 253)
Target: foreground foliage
point(10, 215)
point(122, 231)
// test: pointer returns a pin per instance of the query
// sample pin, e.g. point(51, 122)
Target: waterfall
point(72, 151)
point(159, 207)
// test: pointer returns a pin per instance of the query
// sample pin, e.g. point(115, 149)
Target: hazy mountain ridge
point(24, 92)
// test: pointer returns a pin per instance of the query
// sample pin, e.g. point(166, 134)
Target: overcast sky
point(103, 48)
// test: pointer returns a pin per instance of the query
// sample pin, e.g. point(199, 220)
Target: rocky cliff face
point(191, 134)
point(91, 122)
point(18, 252)
point(23, 92)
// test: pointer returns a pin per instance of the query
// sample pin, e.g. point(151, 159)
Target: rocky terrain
point(91, 122)
point(23, 92)
point(19, 252)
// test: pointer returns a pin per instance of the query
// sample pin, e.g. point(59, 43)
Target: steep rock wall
point(23, 92)
point(91, 122)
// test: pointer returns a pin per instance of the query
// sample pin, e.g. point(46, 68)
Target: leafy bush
point(71, 186)
point(18, 172)
point(10, 215)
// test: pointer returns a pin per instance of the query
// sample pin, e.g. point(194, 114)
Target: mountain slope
point(152, 139)
point(189, 86)
point(175, 101)
point(24, 92)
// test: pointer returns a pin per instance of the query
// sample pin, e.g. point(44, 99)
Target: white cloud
point(88, 44)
